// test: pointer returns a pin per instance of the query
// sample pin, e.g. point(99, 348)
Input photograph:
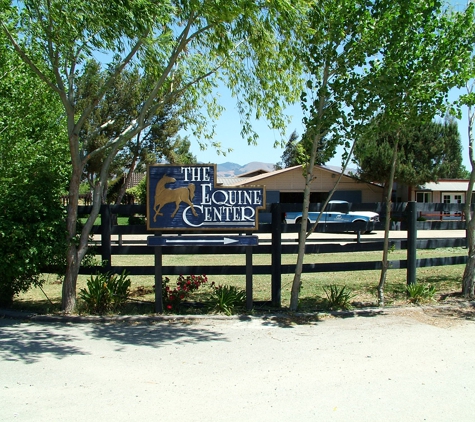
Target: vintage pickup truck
point(335, 216)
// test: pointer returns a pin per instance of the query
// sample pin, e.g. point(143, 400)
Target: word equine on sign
point(187, 198)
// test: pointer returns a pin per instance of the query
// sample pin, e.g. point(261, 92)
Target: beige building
point(287, 186)
point(444, 191)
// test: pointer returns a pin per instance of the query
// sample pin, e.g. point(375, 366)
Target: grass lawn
point(362, 284)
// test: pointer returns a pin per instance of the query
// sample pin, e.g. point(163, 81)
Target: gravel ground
point(406, 364)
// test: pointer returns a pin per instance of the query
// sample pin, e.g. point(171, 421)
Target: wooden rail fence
point(113, 243)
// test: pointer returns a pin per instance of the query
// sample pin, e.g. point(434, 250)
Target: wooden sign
point(187, 198)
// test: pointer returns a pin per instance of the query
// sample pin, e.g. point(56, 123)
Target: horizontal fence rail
point(111, 240)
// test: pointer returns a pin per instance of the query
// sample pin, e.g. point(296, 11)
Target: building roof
point(446, 185)
point(253, 173)
point(263, 177)
point(228, 181)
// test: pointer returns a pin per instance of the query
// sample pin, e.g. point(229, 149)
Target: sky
point(228, 134)
point(228, 130)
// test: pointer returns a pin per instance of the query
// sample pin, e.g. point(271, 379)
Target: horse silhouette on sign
point(165, 196)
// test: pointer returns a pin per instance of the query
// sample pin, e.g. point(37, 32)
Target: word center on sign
point(187, 197)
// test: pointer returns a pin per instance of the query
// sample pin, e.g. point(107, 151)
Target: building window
point(423, 196)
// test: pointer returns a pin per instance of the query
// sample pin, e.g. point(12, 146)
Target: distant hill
point(232, 169)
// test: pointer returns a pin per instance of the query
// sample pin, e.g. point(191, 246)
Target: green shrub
point(105, 292)
point(139, 192)
point(225, 299)
point(418, 292)
point(32, 230)
point(34, 174)
point(338, 298)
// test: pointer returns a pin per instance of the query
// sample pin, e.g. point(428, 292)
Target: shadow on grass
point(439, 279)
point(41, 307)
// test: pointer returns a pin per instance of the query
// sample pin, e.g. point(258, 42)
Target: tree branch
point(27, 60)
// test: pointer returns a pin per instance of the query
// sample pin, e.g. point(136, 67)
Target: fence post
point(276, 248)
point(158, 279)
point(249, 287)
point(411, 242)
point(106, 249)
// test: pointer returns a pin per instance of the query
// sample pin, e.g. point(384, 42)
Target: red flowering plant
point(185, 286)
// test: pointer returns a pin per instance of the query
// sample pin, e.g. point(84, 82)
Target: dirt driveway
point(408, 364)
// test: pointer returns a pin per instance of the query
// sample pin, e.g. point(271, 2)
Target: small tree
point(391, 58)
point(184, 46)
point(421, 60)
point(343, 37)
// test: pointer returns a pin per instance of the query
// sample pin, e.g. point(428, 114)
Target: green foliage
point(225, 299)
point(113, 190)
point(185, 286)
point(297, 151)
point(105, 292)
point(139, 192)
point(33, 177)
point(186, 48)
point(338, 298)
point(439, 142)
point(419, 292)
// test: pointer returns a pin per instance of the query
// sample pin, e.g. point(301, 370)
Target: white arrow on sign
point(225, 241)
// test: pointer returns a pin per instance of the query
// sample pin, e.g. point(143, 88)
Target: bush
point(418, 293)
point(173, 297)
point(139, 192)
point(226, 298)
point(32, 230)
point(338, 299)
point(105, 292)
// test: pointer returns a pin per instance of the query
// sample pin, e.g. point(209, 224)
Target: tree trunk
point(468, 284)
point(387, 223)
point(297, 281)
point(468, 280)
point(123, 188)
point(68, 300)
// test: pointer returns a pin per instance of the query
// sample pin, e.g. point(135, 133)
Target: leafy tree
point(33, 176)
point(451, 166)
point(343, 37)
point(466, 80)
point(422, 55)
point(157, 142)
point(185, 47)
point(427, 152)
point(296, 152)
point(368, 58)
